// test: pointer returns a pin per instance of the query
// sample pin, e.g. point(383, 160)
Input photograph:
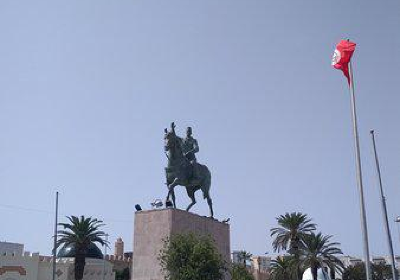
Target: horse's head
point(170, 140)
point(173, 145)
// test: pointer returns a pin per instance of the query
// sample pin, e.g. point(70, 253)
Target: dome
point(69, 252)
point(321, 275)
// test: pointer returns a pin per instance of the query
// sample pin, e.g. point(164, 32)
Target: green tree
point(357, 272)
point(191, 257)
point(81, 232)
point(239, 272)
point(354, 272)
point(244, 257)
point(293, 227)
point(123, 274)
point(382, 271)
point(283, 268)
point(317, 251)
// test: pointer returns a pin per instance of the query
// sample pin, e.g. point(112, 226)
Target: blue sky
point(87, 87)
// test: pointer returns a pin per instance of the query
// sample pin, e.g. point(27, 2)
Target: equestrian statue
point(183, 168)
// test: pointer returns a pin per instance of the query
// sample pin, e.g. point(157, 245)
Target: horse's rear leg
point(206, 195)
point(192, 197)
point(210, 204)
point(171, 194)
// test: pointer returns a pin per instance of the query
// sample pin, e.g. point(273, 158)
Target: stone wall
point(35, 267)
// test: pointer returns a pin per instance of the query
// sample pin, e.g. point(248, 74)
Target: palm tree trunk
point(79, 266)
point(298, 272)
point(314, 272)
point(299, 275)
point(295, 252)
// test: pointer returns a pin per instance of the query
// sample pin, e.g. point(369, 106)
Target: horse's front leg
point(171, 191)
point(173, 198)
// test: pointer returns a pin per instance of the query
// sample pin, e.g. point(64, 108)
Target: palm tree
point(283, 268)
point(293, 228)
point(81, 233)
point(317, 252)
point(243, 257)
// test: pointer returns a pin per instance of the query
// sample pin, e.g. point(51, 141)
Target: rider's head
point(189, 131)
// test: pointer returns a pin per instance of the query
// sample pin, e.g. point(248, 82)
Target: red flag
point(342, 55)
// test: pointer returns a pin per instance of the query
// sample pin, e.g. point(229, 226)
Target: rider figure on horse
point(190, 147)
point(183, 168)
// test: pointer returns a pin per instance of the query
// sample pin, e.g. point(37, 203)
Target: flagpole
point(384, 208)
point(359, 177)
point(55, 240)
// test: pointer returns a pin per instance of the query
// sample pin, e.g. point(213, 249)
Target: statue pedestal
point(152, 227)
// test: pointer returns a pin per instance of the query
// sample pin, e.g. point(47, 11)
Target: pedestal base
point(152, 227)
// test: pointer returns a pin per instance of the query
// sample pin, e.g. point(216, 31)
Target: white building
point(261, 263)
point(396, 261)
point(349, 260)
point(34, 267)
point(11, 248)
point(237, 258)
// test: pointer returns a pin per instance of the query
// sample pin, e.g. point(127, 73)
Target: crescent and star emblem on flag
point(336, 57)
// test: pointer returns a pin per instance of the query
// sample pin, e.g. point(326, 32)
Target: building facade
point(27, 266)
point(11, 248)
point(119, 248)
point(261, 263)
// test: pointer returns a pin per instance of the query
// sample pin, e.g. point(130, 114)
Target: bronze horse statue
point(180, 171)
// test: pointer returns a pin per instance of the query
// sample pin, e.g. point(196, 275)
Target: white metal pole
point(359, 177)
point(55, 240)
